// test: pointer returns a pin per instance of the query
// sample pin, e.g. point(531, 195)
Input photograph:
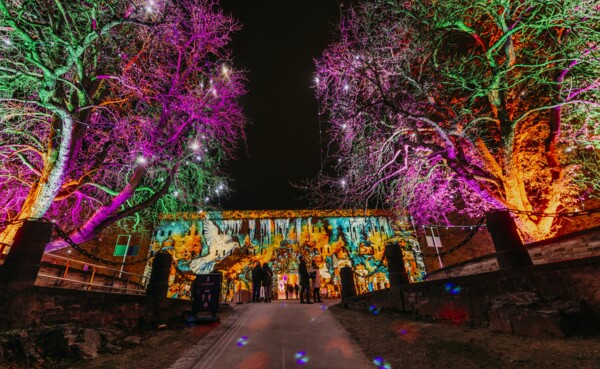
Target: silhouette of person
point(267, 281)
point(315, 275)
point(257, 275)
point(304, 281)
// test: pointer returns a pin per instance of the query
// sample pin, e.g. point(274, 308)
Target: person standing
point(315, 276)
point(267, 281)
point(296, 289)
point(304, 281)
point(287, 290)
point(257, 275)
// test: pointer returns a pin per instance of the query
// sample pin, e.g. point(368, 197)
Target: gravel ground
point(402, 342)
point(393, 339)
point(158, 350)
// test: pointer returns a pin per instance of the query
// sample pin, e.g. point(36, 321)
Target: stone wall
point(51, 275)
point(576, 245)
point(103, 246)
point(38, 305)
point(581, 244)
point(480, 245)
point(554, 299)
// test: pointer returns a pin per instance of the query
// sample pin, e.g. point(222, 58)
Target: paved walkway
point(280, 335)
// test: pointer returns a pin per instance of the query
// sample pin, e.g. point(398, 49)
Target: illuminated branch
point(462, 106)
point(128, 107)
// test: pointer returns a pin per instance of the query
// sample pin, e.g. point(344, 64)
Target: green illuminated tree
point(109, 108)
point(465, 105)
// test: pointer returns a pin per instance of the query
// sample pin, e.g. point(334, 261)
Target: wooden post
point(22, 264)
point(510, 251)
point(159, 278)
point(347, 278)
point(396, 269)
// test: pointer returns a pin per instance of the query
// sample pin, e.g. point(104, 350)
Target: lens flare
point(301, 358)
point(381, 364)
point(374, 310)
point(452, 289)
point(242, 341)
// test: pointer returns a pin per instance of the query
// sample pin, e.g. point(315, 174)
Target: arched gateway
point(231, 241)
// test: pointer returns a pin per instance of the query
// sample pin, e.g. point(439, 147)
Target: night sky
point(276, 46)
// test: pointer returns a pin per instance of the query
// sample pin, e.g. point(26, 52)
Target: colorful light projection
point(232, 241)
point(437, 107)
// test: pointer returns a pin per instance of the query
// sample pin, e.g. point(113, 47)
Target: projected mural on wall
point(231, 242)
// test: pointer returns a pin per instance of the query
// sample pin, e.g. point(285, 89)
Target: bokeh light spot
point(452, 288)
point(301, 358)
point(242, 341)
point(381, 364)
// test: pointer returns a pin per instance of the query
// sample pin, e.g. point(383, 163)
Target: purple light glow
point(138, 119)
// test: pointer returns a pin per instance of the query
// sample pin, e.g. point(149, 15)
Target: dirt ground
point(402, 342)
point(158, 351)
point(396, 340)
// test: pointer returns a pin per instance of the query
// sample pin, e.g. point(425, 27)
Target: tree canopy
point(464, 105)
point(111, 108)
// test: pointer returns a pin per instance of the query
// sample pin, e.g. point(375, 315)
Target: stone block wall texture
point(37, 306)
point(576, 245)
point(79, 279)
point(104, 246)
point(472, 298)
point(482, 244)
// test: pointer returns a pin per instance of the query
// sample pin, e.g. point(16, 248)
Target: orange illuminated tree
point(464, 105)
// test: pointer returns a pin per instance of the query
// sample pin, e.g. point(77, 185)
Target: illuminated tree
point(109, 108)
point(464, 105)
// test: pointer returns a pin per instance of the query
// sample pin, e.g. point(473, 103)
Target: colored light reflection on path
point(274, 338)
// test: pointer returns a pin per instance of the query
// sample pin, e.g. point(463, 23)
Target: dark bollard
point(509, 247)
point(347, 277)
point(206, 292)
point(158, 285)
point(22, 264)
point(396, 269)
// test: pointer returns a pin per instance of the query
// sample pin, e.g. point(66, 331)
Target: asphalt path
point(283, 334)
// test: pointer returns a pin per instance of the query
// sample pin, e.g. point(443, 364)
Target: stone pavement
point(282, 334)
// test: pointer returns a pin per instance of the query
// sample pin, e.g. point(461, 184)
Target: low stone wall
point(581, 244)
point(482, 264)
point(541, 300)
point(38, 305)
point(577, 245)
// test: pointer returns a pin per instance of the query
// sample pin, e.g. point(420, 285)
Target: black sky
point(277, 45)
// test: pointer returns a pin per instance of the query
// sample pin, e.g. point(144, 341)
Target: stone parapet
point(38, 305)
point(562, 297)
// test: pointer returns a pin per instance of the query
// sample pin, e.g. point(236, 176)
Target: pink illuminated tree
point(114, 110)
point(464, 106)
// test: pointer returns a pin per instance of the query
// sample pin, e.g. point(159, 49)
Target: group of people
point(310, 282)
point(262, 278)
point(291, 291)
point(308, 277)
